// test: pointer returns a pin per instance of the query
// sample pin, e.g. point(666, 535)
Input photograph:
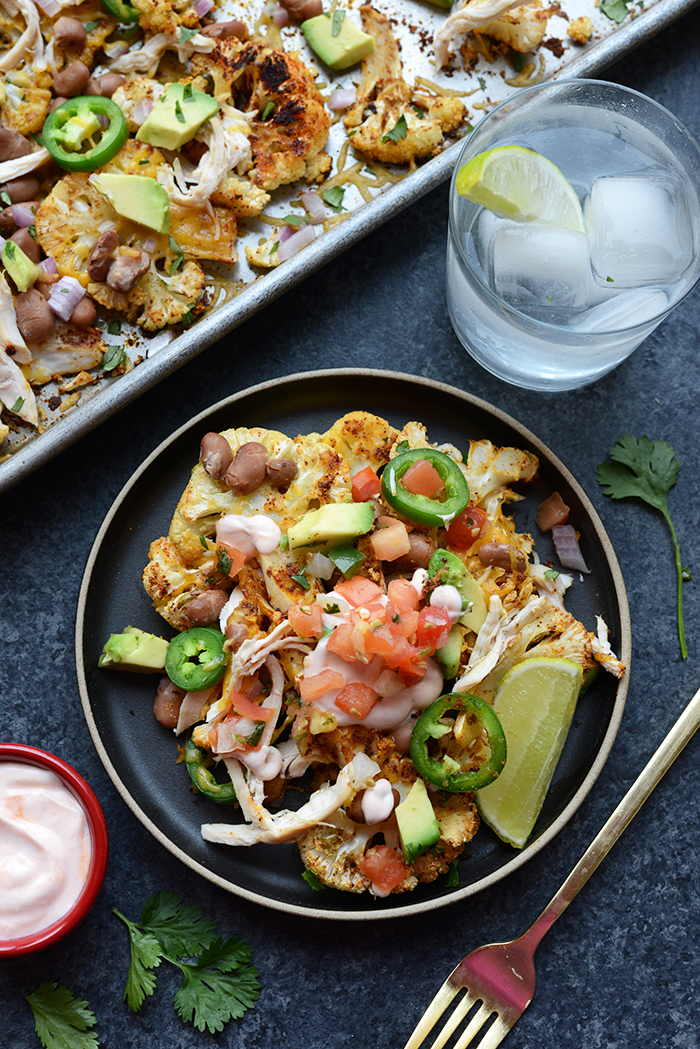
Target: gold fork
point(499, 978)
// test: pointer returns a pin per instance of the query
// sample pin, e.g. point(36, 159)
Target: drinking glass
point(547, 312)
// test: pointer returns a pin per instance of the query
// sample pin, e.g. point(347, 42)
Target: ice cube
point(627, 309)
point(641, 230)
point(535, 266)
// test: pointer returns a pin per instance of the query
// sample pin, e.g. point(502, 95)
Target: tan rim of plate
point(530, 850)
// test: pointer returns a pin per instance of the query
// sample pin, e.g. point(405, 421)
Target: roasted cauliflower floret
point(289, 124)
point(165, 16)
point(136, 90)
point(392, 122)
point(458, 821)
point(172, 584)
point(522, 29)
point(580, 30)
point(363, 440)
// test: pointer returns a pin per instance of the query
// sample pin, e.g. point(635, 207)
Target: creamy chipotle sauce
point(44, 849)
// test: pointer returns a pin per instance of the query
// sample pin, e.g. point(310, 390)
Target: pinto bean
point(215, 455)
point(57, 102)
point(502, 555)
point(303, 9)
point(236, 634)
point(281, 472)
point(422, 549)
point(226, 30)
point(13, 145)
point(72, 80)
point(204, 609)
point(7, 222)
point(127, 269)
point(21, 190)
point(168, 702)
point(105, 85)
point(85, 313)
point(24, 240)
point(247, 471)
point(102, 255)
point(35, 318)
point(69, 34)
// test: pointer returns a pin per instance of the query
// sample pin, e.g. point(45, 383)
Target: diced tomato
point(466, 528)
point(365, 485)
point(433, 628)
point(383, 868)
point(358, 590)
point(238, 559)
point(342, 642)
point(313, 687)
point(403, 624)
point(404, 595)
point(250, 710)
point(306, 620)
point(379, 642)
point(423, 479)
point(390, 540)
point(356, 699)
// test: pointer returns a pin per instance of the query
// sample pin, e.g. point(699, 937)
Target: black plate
point(139, 754)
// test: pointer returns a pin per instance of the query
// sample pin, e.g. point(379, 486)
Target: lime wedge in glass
point(535, 703)
point(521, 185)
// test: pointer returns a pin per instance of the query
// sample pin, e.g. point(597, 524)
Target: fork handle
point(633, 800)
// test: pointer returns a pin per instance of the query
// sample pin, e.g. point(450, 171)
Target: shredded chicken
point(10, 169)
point(29, 38)
point(10, 335)
point(287, 825)
point(603, 652)
point(227, 148)
point(15, 392)
point(147, 58)
point(474, 15)
point(499, 630)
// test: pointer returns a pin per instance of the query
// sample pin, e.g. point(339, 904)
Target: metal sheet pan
point(114, 394)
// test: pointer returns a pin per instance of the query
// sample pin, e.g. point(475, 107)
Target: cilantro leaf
point(219, 987)
point(646, 470)
point(313, 880)
point(146, 953)
point(398, 131)
point(178, 927)
point(615, 10)
point(183, 35)
point(60, 1020)
point(333, 197)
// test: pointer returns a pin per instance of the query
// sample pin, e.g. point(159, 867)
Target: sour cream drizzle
point(44, 849)
point(250, 535)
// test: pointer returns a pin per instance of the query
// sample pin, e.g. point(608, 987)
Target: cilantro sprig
point(646, 470)
point(60, 1020)
point(219, 983)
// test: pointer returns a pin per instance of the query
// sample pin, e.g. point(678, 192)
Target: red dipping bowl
point(99, 849)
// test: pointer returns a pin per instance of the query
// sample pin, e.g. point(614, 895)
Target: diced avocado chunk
point(134, 649)
point(336, 40)
point(449, 655)
point(177, 117)
point(19, 266)
point(418, 828)
point(453, 572)
point(137, 197)
point(335, 524)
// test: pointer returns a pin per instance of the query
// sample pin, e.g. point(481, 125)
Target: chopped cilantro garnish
point(113, 357)
point(177, 252)
point(179, 114)
point(398, 131)
point(338, 16)
point(17, 406)
point(615, 10)
point(333, 197)
point(267, 111)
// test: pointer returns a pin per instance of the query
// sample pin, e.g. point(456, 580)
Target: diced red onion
point(320, 566)
point(149, 244)
point(280, 17)
point(285, 233)
point(65, 296)
point(313, 205)
point(203, 7)
point(342, 98)
point(50, 7)
point(567, 548)
point(22, 215)
point(298, 240)
point(142, 110)
point(48, 267)
point(3, 242)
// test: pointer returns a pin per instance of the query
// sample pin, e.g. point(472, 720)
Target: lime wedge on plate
point(535, 703)
point(521, 185)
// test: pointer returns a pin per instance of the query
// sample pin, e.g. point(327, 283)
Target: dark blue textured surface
point(620, 969)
